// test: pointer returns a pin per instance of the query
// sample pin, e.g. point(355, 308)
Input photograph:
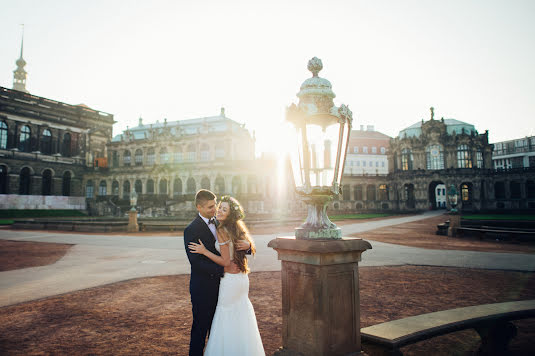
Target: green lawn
point(499, 217)
point(12, 213)
point(357, 216)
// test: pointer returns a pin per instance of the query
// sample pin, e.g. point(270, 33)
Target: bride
point(234, 329)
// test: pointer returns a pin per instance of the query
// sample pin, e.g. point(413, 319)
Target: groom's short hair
point(203, 196)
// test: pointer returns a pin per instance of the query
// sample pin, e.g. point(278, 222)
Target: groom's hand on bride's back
point(232, 268)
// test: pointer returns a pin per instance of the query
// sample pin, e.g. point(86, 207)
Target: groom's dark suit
point(204, 283)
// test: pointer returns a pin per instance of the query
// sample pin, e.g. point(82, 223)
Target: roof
point(453, 126)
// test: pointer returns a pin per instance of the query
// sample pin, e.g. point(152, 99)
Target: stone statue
point(133, 199)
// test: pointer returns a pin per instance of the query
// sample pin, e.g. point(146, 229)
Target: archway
point(437, 195)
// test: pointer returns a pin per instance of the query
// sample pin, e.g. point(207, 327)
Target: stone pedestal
point(132, 221)
point(455, 222)
point(320, 295)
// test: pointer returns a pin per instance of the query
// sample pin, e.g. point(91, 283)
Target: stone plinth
point(132, 221)
point(320, 295)
point(455, 222)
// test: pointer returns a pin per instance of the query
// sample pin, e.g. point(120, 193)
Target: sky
point(390, 61)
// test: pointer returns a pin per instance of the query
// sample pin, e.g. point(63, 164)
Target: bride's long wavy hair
point(237, 230)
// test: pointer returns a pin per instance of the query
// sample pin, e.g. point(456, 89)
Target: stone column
point(320, 295)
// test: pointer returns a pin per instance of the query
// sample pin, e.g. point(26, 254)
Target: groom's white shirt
point(210, 226)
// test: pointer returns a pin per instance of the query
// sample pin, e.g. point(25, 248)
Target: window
point(115, 188)
point(406, 159)
point(127, 159)
point(363, 163)
point(46, 142)
point(365, 149)
point(515, 190)
point(66, 146)
point(191, 187)
point(205, 183)
point(46, 182)
point(374, 149)
point(345, 192)
point(358, 163)
point(24, 181)
point(370, 192)
point(163, 186)
point(24, 139)
point(102, 188)
point(164, 156)
point(434, 157)
point(377, 164)
point(219, 185)
point(138, 186)
point(126, 189)
point(177, 186)
point(178, 155)
point(383, 164)
point(499, 190)
point(89, 189)
point(219, 150)
point(358, 192)
point(205, 152)
point(356, 149)
point(115, 159)
point(150, 157)
point(66, 184)
point(480, 162)
point(3, 180)
point(466, 194)
point(236, 185)
point(139, 157)
point(3, 135)
point(383, 192)
point(150, 186)
point(383, 150)
point(190, 154)
point(464, 157)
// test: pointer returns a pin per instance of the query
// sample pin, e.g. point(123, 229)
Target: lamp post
point(320, 284)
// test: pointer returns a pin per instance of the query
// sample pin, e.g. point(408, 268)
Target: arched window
point(530, 189)
point(219, 150)
point(236, 185)
point(115, 159)
point(409, 195)
point(150, 186)
point(164, 156)
point(66, 146)
point(102, 188)
point(177, 186)
point(126, 189)
point(464, 157)
point(138, 186)
point(150, 156)
point(24, 181)
point(46, 142)
point(127, 159)
point(434, 157)
point(163, 186)
point(3, 180)
point(205, 183)
point(205, 152)
point(177, 155)
point(89, 189)
point(466, 192)
point(66, 184)
point(406, 159)
point(25, 139)
point(115, 188)
point(139, 157)
point(219, 185)
point(3, 135)
point(515, 190)
point(370, 192)
point(191, 187)
point(46, 182)
point(358, 192)
point(383, 192)
point(190, 154)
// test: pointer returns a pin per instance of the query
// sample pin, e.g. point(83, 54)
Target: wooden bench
point(491, 321)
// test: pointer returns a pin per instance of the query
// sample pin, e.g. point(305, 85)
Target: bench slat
point(407, 330)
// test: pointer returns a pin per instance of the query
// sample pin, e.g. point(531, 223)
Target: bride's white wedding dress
point(234, 329)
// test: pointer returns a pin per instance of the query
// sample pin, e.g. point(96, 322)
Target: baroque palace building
point(427, 158)
point(167, 162)
point(46, 147)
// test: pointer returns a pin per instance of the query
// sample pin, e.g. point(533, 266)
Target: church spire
point(19, 74)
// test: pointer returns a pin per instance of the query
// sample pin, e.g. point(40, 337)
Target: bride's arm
point(223, 260)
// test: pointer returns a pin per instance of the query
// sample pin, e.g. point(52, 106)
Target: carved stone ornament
point(315, 66)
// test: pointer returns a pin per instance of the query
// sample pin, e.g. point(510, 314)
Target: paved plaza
point(96, 260)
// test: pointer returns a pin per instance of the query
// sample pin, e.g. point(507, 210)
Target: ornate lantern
point(321, 136)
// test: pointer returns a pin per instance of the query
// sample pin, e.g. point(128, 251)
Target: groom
point(205, 274)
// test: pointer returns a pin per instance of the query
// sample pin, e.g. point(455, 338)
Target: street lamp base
point(315, 233)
